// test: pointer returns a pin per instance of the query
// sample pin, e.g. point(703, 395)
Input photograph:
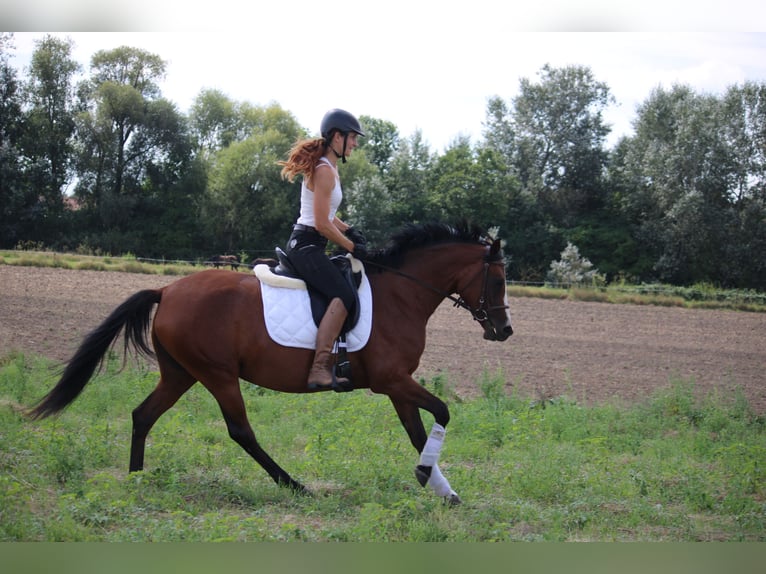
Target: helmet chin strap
point(341, 156)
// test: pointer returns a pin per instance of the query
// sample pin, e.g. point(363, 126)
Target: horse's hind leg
point(234, 413)
point(165, 395)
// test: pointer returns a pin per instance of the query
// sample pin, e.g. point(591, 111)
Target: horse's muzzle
point(491, 333)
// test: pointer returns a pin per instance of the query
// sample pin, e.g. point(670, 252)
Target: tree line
point(106, 164)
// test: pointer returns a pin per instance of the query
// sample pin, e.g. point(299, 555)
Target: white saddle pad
point(287, 312)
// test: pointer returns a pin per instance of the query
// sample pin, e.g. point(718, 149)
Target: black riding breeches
point(306, 250)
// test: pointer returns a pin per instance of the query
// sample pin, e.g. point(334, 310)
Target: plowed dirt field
point(589, 352)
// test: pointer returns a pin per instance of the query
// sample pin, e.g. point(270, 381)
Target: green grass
point(675, 468)
point(698, 296)
point(125, 263)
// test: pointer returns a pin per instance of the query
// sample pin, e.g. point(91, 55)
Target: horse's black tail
point(134, 315)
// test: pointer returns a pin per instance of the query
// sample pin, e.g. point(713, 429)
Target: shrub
point(573, 269)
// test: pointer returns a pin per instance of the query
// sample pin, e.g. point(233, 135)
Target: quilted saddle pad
point(287, 313)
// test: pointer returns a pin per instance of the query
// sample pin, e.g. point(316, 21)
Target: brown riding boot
point(321, 374)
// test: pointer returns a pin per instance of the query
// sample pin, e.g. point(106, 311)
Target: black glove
point(356, 236)
point(360, 250)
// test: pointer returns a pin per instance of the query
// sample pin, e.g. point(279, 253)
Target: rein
point(479, 314)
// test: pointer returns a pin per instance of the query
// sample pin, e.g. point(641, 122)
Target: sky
point(421, 64)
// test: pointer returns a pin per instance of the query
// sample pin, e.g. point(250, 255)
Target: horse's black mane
point(414, 236)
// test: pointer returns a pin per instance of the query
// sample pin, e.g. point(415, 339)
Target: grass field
point(670, 469)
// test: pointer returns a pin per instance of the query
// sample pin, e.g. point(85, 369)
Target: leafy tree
point(499, 133)
point(682, 181)
point(406, 181)
point(370, 208)
point(559, 136)
point(552, 140)
point(118, 98)
point(357, 167)
point(695, 233)
point(169, 226)
point(49, 128)
point(744, 130)
point(529, 240)
point(380, 143)
point(232, 178)
point(746, 264)
point(135, 157)
point(683, 200)
point(172, 181)
point(16, 201)
point(743, 115)
point(247, 206)
point(213, 120)
point(467, 183)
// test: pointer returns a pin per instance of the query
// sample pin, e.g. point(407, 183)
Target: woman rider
point(316, 160)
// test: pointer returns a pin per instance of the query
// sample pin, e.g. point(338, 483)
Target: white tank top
point(306, 216)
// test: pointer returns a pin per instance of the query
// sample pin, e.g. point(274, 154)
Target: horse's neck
point(425, 281)
point(444, 266)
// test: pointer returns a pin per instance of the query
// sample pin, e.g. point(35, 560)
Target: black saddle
point(319, 302)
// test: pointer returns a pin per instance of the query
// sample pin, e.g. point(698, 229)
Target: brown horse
point(224, 260)
point(209, 327)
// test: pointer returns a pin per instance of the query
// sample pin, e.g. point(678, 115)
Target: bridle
point(480, 313)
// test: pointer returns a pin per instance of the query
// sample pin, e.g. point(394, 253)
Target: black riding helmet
point(342, 121)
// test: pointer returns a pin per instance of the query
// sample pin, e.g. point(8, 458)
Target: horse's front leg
point(427, 471)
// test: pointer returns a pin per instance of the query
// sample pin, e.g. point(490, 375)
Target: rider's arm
point(324, 183)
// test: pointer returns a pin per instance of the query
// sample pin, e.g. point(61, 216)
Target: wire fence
point(209, 261)
point(701, 292)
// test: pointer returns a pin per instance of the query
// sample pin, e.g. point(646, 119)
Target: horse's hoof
point(423, 473)
point(318, 387)
point(295, 486)
point(342, 385)
point(452, 500)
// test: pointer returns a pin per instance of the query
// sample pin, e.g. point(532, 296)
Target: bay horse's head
point(485, 295)
point(479, 281)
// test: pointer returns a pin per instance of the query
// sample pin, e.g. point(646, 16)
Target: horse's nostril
point(508, 330)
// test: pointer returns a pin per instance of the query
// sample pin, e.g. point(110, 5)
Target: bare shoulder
point(324, 177)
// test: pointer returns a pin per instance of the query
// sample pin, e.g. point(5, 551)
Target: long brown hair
point(303, 159)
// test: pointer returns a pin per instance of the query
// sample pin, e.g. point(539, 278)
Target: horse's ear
point(495, 247)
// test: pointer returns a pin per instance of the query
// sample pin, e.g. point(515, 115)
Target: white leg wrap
point(430, 457)
point(438, 483)
point(433, 447)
